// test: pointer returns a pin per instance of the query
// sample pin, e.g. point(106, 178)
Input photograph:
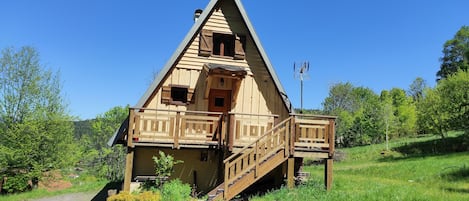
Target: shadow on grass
point(102, 194)
point(457, 190)
point(456, 173)
point(433, 147)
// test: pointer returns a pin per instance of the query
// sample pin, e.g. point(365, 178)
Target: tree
point(454, 95)
point(404, 111)
point(388, 115)
point(106, 162)
point(455, 53)
point(339, 99)
point(36, 133)
point(359, 114)
point(416, 89)
point(446, 107)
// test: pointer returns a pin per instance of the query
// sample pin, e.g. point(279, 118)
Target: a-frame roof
point(207, 12)
point(193, 33)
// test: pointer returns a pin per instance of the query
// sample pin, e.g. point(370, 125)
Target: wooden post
point(226, 181)
point(177, 130)
point(129, 161)
point(292, 135)
point(328, 173)
point(231, 132)
point(331, 137)
point(291, 172)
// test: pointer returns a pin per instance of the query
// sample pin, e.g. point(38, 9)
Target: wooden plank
point(311, 145)
point(312, 121)
point(303, 154)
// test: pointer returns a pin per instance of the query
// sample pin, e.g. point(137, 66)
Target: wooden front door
point(219, 101)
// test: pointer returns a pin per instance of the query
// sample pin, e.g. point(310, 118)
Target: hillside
point(426, 168)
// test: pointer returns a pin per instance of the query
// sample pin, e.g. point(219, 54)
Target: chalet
point(218, 105)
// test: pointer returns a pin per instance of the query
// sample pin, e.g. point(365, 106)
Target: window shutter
point(205, 43)
point(166, 95)
point(239, 47)
point(190, 94)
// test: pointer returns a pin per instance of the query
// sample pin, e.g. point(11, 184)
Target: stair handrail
point(256, 141)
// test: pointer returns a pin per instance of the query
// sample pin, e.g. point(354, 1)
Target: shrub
point(144, 196)
point(16, 183)
point(175, 190)
point(164, 167)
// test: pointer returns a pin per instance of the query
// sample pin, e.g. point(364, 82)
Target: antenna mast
point(301, 73)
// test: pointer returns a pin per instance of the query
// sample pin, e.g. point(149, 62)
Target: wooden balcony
point(176, 129)
point(308, 136)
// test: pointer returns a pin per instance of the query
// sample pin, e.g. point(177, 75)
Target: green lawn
point(415, 169)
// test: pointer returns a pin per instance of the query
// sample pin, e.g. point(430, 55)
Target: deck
point(308, 135)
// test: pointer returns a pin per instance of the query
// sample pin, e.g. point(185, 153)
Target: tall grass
point(370, 173)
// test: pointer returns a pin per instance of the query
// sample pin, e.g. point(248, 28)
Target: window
point(176, 95)
point(179, 94)
point(219, 102)
point(220, 44)
point(223, 44)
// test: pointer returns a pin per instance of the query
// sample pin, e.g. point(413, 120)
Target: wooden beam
point(291, 172)
point(129, 161)
point(328, 174)
point(308, 154)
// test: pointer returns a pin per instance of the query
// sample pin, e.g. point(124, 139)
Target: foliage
point(455, 54)
point(164, 167)
point(105, 161)
point(366, 118)
point(175, 190)
point(360, 119)
point(405, 113)
point(143, 196)
point(446, 107)
point(417, 88)
point(36, 133)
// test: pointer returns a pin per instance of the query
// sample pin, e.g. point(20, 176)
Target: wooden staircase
point(254, 161)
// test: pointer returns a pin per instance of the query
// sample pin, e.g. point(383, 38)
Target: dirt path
point(82, 196)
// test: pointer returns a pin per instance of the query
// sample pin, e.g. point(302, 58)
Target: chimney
point(197, 14)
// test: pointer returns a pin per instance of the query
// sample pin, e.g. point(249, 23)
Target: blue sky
point(108, 50)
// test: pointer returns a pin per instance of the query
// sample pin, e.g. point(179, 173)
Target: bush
point(16, 183)
point(175, 190)
point(144, 196)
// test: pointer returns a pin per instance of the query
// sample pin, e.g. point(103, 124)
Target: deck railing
point(174, 127)
point(246, 128)
point(314, 133)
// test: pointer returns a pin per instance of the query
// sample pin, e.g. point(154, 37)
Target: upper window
point(228, 45)
point(223, 44)
point(177, 95)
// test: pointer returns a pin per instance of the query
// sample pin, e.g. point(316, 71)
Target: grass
point(87, 184)
point(426, 168)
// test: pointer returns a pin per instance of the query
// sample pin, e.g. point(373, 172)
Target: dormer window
point(221, 44)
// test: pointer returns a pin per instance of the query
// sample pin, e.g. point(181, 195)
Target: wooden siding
point(257, 93)
point(203, 173)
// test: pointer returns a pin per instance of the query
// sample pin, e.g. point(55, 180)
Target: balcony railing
point(174, 128)
point(170, 128)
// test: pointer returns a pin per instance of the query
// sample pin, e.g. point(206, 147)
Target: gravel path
point(83, 196)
